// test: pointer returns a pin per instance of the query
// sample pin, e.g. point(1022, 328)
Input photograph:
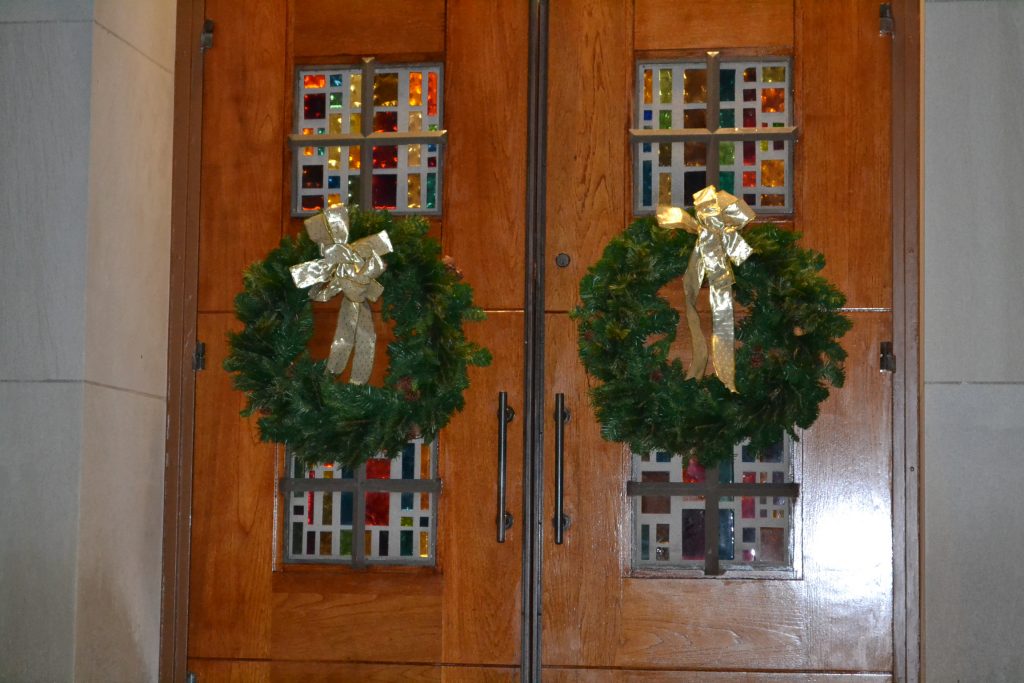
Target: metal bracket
point(199, 357)
point(886, 23)
point(886, 357)
point(206, 37)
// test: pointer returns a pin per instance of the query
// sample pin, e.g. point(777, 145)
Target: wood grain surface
point(485, 160)
point(668, 24)
point(367, 28)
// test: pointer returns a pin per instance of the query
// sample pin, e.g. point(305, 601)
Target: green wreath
point(787, 345)
point(322, 419)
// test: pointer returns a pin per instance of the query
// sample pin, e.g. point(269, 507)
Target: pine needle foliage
point(321, 419)
point(788, 327)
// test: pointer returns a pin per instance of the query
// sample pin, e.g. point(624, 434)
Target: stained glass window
point(368, 135)
point(756, 500)
point(380, 513)
point(734, 131)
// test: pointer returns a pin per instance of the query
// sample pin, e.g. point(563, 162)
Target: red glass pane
point(385, 157)
point(378, 508)
point(314, 81)
point(749, 117)
point(378, 468)
point(693, 473)
point(385, 122)
point(385, 191)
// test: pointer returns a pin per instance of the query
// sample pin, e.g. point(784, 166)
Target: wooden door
point(253, 616)
point(601, 621)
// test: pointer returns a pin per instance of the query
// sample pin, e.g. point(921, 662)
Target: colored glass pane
point(648, 86)
point(749, 153)
point(750, 74)
point(385, 89)
point(378, 508)
point(773, 74)
point(695, 86)
point(355, 89)
point(385, 156)
point(749, 179)
point(385, 122)
point(727, 179)
point(773, 100)
point(695, 153)
point(354, 183)
point(336, 81)
point(335, 124)
point(424, 544)
point(308, 151)
point(655, 504)
point(750, 95)
point(333, 160)
point(313, 81)
point(312, 176)
point(354, 158)
point(773, 200)
point(727, 85)
point(645, 542)
point(773, 173)
point(693, 182)
point(695, 118)
point(431, 94)
point(664, 154)
point(431, 190)
point(693, 472)
point(413, 194)
point(335, 100)
point(413, 156)
point(665, 86)
point(727, 118)
point(407, 505)
point(355, 123)
point(431, 162)
point(385, 191)
point(334, 200)
point(749, 117)
point(645, 183)
point(727, 153)
point(773, 545)
point(314, 105)
point(665, 188)
point(415, 89)
point(693, 534)
point(333, 181)
point(415, 121)
point(312, 202)
point(726, 535)
point(664, 119)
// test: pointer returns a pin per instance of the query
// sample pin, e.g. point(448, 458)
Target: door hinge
point(199, 357)
point(206, 37)
point(886, 24)
point(886, 357)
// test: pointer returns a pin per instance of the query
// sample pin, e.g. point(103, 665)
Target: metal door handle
point(560, 520)
point(505, 415)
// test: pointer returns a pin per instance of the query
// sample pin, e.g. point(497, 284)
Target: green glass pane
point(431, 190)
point(665, 86)
point(727, 85)
point(727, 179)
point(664, 119)
point(727, 118)
point(726, 153)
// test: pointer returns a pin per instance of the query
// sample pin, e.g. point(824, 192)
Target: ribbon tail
point(723, 335)
point(366, 342)
point(691, 287)
point(344, 336)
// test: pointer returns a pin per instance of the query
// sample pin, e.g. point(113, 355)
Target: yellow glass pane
point(334, 200)
point(333, 163)
point(764, 145)
point(335, 125)
point(385, 89)
point(665, 86)
point(773, 173)
point(415, 89)
point(327, 508)
point(664, 188)
point(356, 90)
point(325, 542)
point(648, 86)
point(773, 74)
point(773, 200)
point(695, 86)
point(354, 158)
point(695, 153)
point(415, 121)
point(424, 544)
point(413, 156)
point(413, 193)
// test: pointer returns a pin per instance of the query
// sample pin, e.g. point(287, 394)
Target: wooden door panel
point(485, 161)
point(243, 148)
point(288, 672)
point(648, 676)
point(665, 24)
point(229, 671)
point(232, 514)
point(843, 106)
point(361, 28)
point(590, 77)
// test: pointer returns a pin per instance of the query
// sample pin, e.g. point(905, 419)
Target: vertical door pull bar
point(505, 415)
point(561, 520)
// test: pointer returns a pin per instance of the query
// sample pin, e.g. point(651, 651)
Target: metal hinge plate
point(199, 357)
point(206, 37)
point(886, 24)
point(886, 357)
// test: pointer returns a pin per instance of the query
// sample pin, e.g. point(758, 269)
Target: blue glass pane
point(726, 535)
point(646, 184)
point(409, 461)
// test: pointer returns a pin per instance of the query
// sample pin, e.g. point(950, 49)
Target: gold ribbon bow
point(349, 269)
point(720, 217)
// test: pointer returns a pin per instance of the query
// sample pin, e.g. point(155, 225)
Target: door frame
point(182, 315)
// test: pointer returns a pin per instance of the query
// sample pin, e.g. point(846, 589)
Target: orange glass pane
point(695, 86)
point(354, 158)
point(749, 179)
point(431, 94)
point(648, 86)
point(695, 153)
point(773, 100)
point(773, 200)
point(773, 173)
point(385, 89)
point(334, 200)
point(695, 118)
point(415, 89)
point(311, 81)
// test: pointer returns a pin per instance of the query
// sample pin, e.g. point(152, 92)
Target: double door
point(529, 608)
